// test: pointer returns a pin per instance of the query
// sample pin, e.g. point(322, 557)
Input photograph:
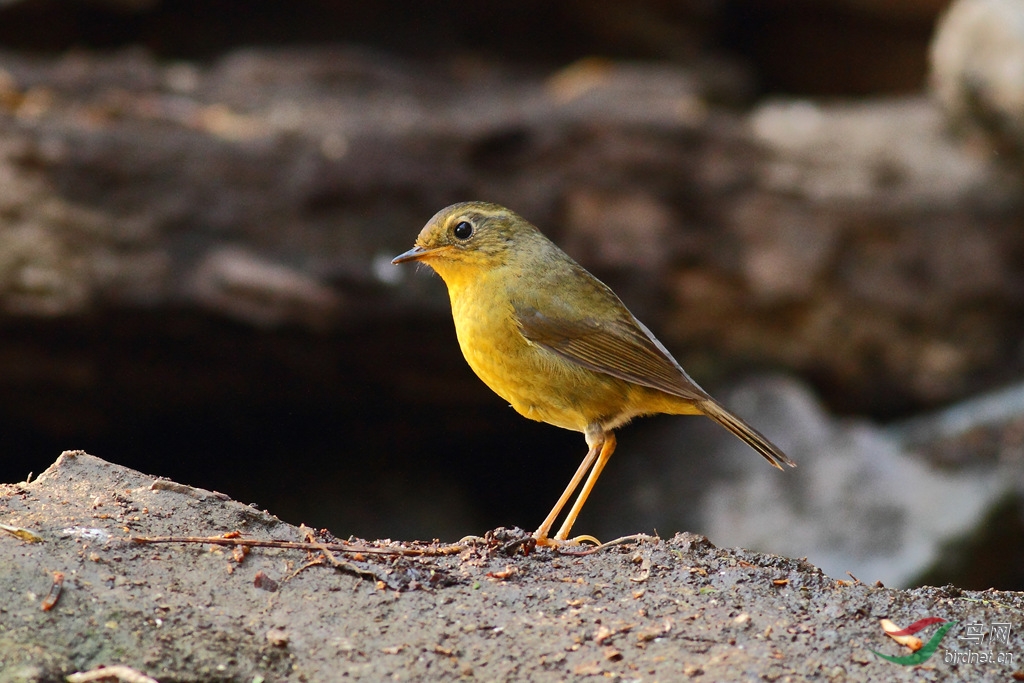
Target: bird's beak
point(414, 254)
point(417, 253)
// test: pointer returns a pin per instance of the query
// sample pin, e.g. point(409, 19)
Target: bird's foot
point(472, 540)
point(545, 541)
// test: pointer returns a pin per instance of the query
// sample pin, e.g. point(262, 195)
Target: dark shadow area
point(797, 47)
point(334, 433)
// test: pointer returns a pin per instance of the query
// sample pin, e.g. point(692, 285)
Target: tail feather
point(754, 438)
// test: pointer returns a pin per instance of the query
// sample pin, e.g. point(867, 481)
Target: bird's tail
point(754, 438)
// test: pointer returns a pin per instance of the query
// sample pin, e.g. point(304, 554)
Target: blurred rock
point(861, 215)
point(890, 151)
point(616, 230)
point(858, 502)
point(242, 285)
point(977, 70)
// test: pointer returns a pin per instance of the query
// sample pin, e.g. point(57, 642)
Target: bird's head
point(464, 238)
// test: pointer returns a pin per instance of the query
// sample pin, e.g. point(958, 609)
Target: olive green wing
point(619, 346)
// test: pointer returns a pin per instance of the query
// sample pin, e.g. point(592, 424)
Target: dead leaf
point(277, 637)
point(23, 534)
point(587, 669)
point(54, 594)
point(645, 572)
point(612, 654)
point(508, 572)
point(913, 642)
point(261, 580)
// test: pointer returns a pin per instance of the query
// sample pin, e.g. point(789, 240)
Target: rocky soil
point(649, 610)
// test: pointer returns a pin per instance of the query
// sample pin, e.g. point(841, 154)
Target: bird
point(557, 343)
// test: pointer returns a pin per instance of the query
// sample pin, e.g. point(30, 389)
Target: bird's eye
point(463, 230)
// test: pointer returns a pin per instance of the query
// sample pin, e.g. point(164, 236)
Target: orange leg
point(607, 448)
point(541, 534)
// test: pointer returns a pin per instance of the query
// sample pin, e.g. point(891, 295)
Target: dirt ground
point(649, 610)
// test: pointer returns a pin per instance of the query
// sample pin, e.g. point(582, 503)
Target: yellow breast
point(514, 368)
point(538, 383)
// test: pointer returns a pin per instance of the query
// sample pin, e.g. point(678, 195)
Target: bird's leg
point(541, 534)
point(607, 445)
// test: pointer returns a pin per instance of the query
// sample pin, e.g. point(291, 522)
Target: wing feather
point(621, 347)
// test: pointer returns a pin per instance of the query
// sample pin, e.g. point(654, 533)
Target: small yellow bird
point(555, 342)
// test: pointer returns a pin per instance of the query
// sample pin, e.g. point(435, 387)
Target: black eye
point(463, 230)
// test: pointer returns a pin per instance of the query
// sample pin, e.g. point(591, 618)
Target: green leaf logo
point(926, 651)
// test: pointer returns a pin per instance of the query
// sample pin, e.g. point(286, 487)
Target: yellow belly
point(530, 378)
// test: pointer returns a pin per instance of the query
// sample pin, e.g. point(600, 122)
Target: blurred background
point(815, 204)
